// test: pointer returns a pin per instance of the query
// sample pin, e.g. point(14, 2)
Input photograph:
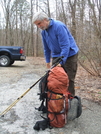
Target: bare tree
point(73, 16)
point(48, 7)
point(6, 9)
point(32, 39)
point(90, 50)
point(80, 18)
point(64, 16)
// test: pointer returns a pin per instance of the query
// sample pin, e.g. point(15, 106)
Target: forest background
point(83, 18)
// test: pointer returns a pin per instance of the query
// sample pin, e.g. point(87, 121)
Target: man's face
point(43, 24)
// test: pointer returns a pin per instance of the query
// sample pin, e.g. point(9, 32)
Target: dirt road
point(14, 81)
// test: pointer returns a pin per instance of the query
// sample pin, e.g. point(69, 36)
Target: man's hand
point(59, 65)
point(48, 65)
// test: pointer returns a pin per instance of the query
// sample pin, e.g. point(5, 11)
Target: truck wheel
point(4, 61)
point(11, 62)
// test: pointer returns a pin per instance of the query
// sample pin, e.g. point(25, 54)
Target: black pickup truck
point(9, 54)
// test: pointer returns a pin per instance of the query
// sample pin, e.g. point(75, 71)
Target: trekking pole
point(6, 110)
point(57, 61)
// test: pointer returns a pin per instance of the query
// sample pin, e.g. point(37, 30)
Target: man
point(58, 41)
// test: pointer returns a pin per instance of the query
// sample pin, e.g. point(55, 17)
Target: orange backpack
point(57, 102)
point(57, 97)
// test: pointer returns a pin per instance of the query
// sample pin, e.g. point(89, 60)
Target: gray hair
point(39, 16)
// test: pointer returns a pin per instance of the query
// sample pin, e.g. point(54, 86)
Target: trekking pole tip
point(2, 115)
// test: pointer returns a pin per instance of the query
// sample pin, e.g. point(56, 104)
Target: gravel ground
point(14, 81)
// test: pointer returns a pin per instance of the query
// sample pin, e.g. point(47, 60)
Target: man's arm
point(63, 39)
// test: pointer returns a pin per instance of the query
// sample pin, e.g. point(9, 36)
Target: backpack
point(58, 104)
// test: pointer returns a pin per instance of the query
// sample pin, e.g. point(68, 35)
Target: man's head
point(41, 20)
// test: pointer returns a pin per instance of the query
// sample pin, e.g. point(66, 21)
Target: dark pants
point(71, 68)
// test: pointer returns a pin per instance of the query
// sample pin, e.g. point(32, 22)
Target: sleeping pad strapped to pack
point(58, 101)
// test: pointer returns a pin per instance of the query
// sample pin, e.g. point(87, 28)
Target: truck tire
point(4, 61)
point(11, 62)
